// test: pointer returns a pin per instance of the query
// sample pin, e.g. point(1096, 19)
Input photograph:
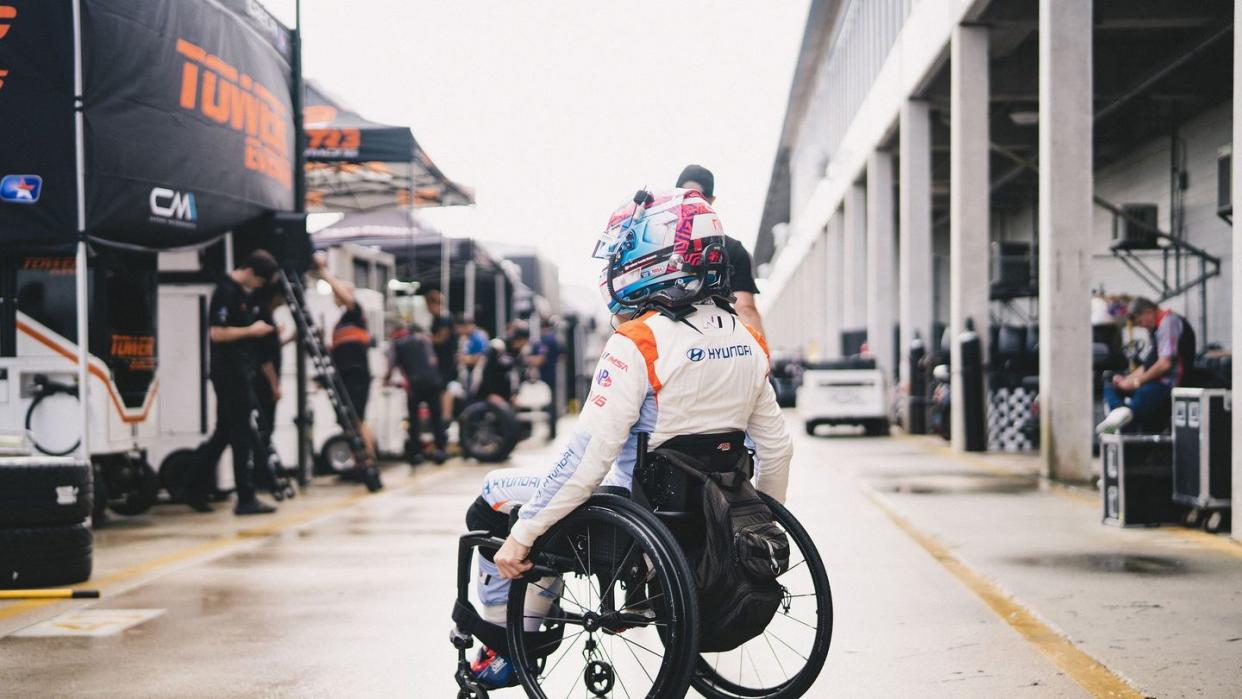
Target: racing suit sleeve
point(773, 447)
point(613, 407)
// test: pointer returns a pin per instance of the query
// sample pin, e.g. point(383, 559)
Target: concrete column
point(968, 201)
point(1236, 182)
point(1065, 213)
point(881, 260)
point(914, 278)
point(834, 268)
point(854, 258)
point(819, 306)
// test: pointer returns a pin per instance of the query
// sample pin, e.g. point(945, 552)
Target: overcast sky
point(556, 111)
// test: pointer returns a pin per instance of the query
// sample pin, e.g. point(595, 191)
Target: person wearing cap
point(741, 276)
point(235, 331)
point(1142, 397)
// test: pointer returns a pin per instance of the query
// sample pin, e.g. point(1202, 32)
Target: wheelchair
point(625, 619)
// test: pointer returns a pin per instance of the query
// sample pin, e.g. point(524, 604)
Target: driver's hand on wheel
point(511, 559)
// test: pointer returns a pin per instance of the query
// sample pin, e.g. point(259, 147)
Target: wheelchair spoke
point(640, 662)
point(591, 572)
point(783, 643)
point(566, 620)
point(755, 668)
point(652, 598)
point(578, 559)
point(621, 566)
point(571, 599)
point(790, 568)
point(608, 657)
point(636, 643)
point(797, 621)
point(774, 655)
point(564, 652)
point(559, 640)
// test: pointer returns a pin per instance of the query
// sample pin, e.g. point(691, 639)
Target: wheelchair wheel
point(785, 660)
point(625, 596)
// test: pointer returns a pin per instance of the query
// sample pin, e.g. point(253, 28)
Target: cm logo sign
point(168, 203)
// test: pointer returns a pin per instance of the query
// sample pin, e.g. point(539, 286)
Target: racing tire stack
point(44, 506)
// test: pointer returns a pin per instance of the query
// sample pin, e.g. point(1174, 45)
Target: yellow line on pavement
point(1092, 676)
point(277, 526)
point(1080, 495)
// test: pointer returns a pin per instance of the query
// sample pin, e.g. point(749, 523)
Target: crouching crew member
point(1142, 397)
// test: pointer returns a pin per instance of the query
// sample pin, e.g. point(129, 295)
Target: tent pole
point(501, 312)
point(469, 299)
point(446, 253)
point(303, 419)
point(82, 275)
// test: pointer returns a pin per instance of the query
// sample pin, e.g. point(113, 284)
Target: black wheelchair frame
point(680, 603)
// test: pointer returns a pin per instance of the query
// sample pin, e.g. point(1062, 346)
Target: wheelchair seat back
point(669, 490)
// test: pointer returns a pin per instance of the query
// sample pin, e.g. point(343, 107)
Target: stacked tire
point(44, 506)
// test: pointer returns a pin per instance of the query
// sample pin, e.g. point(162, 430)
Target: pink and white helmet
point(663, 250)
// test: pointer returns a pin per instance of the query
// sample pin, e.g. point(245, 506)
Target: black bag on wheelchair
point(743, 553)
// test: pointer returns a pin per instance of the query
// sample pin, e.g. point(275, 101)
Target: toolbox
point(1137, 489)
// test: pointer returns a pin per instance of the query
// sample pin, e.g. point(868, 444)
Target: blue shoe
point(493, 671)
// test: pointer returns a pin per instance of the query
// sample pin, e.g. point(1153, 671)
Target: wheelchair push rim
point(786, 659)
point(624, 598)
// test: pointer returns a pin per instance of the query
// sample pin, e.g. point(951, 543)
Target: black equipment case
point(1202, 444)
point(1138, 480)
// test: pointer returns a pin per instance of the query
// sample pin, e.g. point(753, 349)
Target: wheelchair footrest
point(469, 623)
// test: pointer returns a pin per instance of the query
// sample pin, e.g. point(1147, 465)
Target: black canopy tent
point(354, 164)
point(135, 127)
point(472, 279)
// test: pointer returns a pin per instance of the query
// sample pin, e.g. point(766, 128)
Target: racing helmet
point(662, 251)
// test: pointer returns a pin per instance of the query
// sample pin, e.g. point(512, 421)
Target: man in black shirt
point(413, 353)
point(235, 330)
point(742, 276)
point(444, 342)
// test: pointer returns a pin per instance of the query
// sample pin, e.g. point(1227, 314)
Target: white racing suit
point(706, 373)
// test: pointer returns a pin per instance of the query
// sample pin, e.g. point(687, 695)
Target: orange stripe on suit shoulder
point(640, 334)
point(763, 342)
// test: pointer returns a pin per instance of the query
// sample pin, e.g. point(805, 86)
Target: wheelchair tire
point(488, 432)
point(713, 685)
point(674, 608)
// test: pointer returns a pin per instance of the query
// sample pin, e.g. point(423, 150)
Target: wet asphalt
point(346, 595)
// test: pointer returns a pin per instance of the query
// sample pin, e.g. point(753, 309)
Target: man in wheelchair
point(681, 366)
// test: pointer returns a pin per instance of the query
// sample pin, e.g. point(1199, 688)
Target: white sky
point(557, 111)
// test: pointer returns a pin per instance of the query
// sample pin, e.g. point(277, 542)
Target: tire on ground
point(39, 491)
point(488, 432)
point(141, 489)
point(176, 470)
point(44, 556)
point(336, 456)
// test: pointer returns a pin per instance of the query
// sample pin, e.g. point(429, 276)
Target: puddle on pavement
point(1156, 566)
point(952, 484)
